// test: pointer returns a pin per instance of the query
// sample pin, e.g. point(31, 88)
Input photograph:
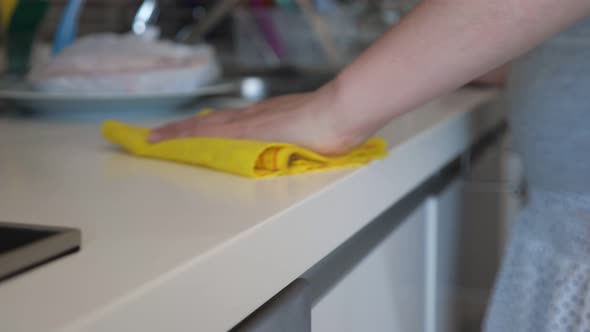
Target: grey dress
point(544, 282)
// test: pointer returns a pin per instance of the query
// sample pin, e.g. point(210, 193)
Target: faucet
point(145, 18)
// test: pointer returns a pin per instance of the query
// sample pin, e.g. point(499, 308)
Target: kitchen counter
point(167, 246)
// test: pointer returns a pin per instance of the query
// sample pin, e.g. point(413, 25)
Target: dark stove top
point(24, 247)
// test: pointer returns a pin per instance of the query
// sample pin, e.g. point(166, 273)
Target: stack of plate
point(107, 102)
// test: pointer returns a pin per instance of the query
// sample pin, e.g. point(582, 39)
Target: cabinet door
point(464, 245)
point(472, 213)
point(288, 311)
point(443, 233)
point(375, 281)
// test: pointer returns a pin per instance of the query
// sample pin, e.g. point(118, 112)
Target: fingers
point(214, 125)
point(169, 131)
point(182, 128)
point(226, 123)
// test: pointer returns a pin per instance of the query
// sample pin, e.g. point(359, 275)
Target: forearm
point(440, 46)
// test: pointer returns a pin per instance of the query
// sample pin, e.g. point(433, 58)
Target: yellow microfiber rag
point(247, 158)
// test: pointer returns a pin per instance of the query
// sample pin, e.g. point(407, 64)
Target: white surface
point(400, 272)
point(177, 248)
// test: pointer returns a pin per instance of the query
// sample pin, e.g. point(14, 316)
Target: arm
point(440, 46)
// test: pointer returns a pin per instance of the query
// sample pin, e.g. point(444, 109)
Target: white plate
point(107, 105)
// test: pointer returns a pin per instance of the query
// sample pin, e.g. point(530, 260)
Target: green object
point(21, 33)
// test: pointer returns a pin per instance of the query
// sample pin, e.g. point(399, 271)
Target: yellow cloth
point(247, 158)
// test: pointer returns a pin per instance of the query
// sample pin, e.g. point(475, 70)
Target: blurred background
point(64, 54)
point(258, 36)
point(307, 33)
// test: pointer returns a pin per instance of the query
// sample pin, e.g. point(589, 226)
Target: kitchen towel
point(252, 159)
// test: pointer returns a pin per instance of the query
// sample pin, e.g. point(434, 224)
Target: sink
point(251, 86)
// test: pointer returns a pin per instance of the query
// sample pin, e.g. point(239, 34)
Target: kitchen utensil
point(251, 45)
point(21, 31)
point(217, 13)
point(321, 30)
point(267, 29)
point(143, 23)
point(68, 26)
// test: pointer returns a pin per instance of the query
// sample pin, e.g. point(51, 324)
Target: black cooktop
point(24, 247)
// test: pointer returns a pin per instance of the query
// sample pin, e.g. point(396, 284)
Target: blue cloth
point(544, 282)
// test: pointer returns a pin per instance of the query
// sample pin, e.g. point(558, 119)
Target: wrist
point(357, 113)
point(339, 116)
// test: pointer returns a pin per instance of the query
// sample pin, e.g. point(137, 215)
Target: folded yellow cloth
point(247, 158)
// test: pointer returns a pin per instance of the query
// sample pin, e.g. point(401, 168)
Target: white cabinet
point(375, 282)
point(417, 266)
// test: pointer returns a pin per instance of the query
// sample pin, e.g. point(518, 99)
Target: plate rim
point(24, 95)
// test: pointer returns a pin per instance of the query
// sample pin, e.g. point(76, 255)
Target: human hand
point(312, 120)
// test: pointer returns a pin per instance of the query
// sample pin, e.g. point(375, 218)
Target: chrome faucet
point(145, 18)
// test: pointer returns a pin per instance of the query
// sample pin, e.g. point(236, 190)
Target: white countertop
point(171, 247)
